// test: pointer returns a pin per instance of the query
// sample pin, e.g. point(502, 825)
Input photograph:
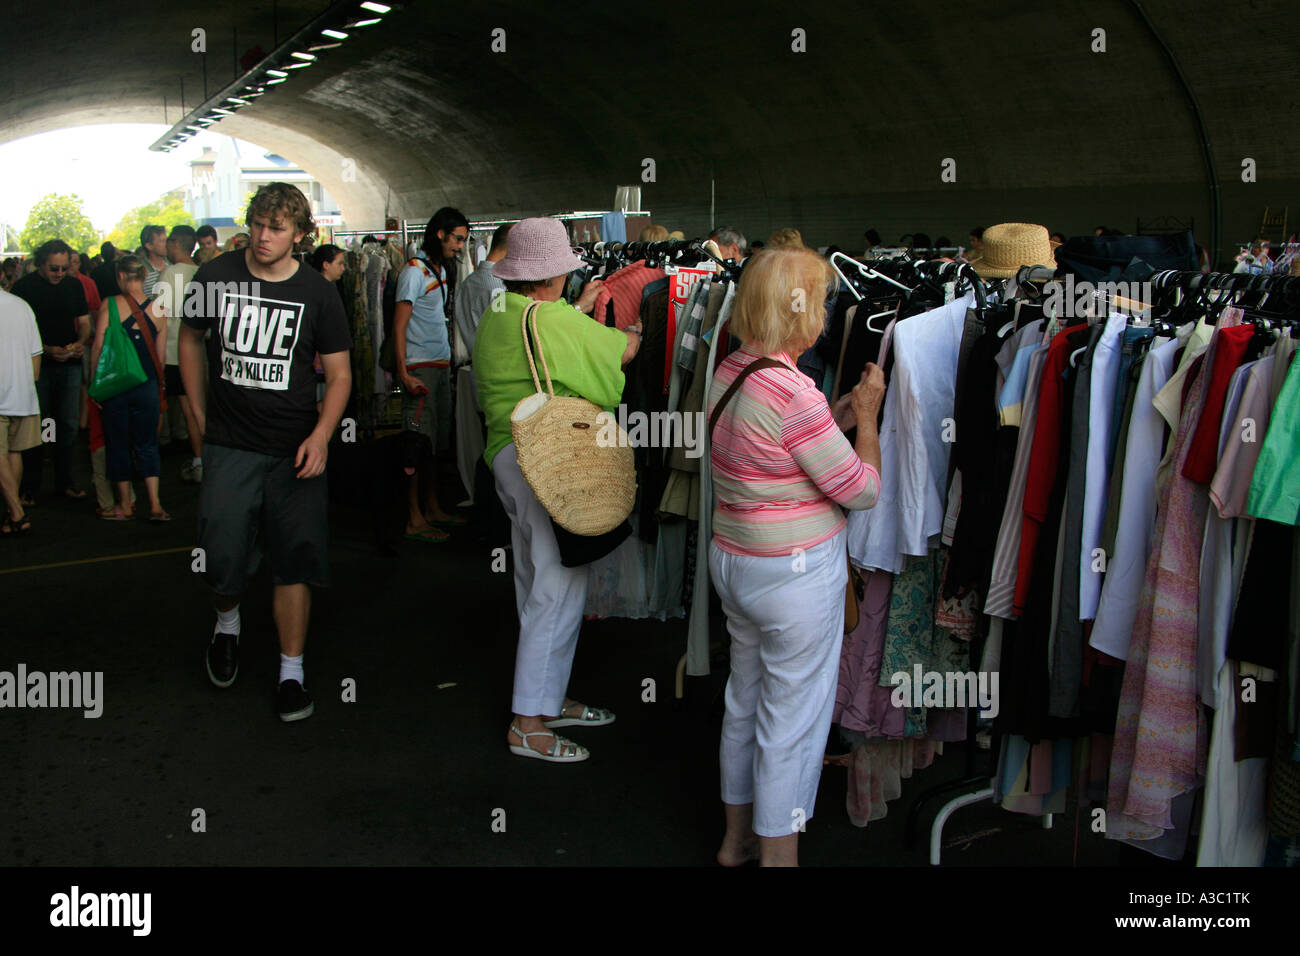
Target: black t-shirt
point(104, 276)
point(57, 306)
point(265, 336)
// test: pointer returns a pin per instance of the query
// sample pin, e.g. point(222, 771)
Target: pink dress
point(1161, 737)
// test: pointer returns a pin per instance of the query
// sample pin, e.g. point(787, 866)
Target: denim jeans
point(59, 391)
point(131, 431)
point(1134, 342)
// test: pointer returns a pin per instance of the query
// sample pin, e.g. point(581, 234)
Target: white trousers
point(549, 597)
point(786, 619)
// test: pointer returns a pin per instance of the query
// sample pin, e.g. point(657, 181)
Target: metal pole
point(182, 96)
point(1207, 154)
point(712, 194)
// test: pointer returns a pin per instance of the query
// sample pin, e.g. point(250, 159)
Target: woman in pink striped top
point(782, 469)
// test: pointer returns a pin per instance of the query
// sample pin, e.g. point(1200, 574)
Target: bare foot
point(738, 855)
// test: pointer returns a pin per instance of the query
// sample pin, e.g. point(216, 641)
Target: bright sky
point(109, 166)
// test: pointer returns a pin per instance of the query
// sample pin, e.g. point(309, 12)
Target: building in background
point(222, 181)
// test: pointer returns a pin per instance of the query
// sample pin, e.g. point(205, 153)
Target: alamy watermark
point(81, 690)
point(182, 297)
point(1071, 299)
point(78, 909)
point(652, 430)
point(949, 689)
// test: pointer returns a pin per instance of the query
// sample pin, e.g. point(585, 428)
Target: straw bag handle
point(528, 350)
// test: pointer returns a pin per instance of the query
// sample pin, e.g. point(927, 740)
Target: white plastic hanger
point(1015, 317)
point(864, 270)
point(878, 315)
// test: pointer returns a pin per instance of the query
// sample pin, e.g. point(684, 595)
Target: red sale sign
point(680, 283)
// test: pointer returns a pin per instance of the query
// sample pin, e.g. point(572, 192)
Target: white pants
point(549, 597)
point(786, 619)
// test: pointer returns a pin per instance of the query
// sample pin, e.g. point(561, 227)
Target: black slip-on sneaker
point(223, 659)
point(293, 702)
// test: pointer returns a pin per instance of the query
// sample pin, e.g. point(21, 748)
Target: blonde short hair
point(785, 237)
point(654, 234)
point(781, 302)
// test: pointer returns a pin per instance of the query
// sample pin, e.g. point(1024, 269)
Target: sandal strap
point(589, 714)
point(558, 743)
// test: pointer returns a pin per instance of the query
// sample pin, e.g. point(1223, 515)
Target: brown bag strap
point(143, 325)
point(753, 366)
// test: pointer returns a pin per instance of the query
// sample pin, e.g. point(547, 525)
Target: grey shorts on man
point(245, 493)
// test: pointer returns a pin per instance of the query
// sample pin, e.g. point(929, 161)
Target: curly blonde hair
point(282, 201)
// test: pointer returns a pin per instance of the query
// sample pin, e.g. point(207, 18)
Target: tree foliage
point(58, 217)
point(126, 234)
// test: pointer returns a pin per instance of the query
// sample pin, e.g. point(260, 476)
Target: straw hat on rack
point(1010, 245)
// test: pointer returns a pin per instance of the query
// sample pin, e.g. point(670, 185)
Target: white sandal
point(562, 749)
point(590, 717)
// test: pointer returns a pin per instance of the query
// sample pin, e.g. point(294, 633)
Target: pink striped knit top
point(781, 466)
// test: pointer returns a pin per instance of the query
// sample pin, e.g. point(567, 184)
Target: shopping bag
point(119, 367)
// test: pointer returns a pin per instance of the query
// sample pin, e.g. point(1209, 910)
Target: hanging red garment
point(621, 295)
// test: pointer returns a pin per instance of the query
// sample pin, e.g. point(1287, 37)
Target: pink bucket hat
point(537, 249)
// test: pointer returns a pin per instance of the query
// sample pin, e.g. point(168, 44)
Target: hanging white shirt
point(914, 442)
point(1126, 569)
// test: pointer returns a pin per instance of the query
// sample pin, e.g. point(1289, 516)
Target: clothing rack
point(896, 252)
point(1231, 282)
point(906, 274)
point(678, 252)
point(1231, 286)
point(353, 233)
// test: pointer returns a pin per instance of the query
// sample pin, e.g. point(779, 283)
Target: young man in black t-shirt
point(264, 442)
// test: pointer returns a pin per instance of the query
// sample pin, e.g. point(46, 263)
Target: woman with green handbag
point(131, 414)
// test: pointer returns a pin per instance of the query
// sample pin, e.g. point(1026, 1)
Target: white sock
point(197, 462)
point(228, 621)
point(291, 669)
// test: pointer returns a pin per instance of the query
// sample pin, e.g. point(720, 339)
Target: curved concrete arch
point(850, 134)
point(362, 194)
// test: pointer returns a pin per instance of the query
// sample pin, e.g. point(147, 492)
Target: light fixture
point(324, 31)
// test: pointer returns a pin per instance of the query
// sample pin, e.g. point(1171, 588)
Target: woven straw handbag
point(588, 489)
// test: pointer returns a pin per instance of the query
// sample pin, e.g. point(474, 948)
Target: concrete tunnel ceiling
point(850, 133)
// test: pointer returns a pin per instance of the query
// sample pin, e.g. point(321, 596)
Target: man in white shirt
point(20, 366)
point(171, 298)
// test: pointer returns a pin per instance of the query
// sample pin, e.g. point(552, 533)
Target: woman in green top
point(585, 359)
